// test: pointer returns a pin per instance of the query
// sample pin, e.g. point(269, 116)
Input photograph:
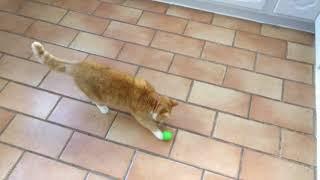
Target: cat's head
point(163, 109)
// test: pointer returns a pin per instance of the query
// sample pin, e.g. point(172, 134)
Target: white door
point(317, 81)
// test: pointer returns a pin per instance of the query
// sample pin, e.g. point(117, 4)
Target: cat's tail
point(51, 61)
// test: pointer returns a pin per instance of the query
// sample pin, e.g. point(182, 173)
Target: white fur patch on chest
point(154, 116)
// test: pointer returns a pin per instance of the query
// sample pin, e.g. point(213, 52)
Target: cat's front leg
point(151, 125)
point(103, 109)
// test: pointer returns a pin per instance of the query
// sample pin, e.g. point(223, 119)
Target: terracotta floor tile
point(229, 55)
point(3, 83)
point(35, 167)
point(8, 157)
point(147, 5)
point(259, 166)
point(82, 116)
point(145, 56)
point(284, 69)
point(126, 130)
point(197, 69)
point(300, 94)
point(206, 153)
point(112, 159)
point(298, 147)
point(27, 100)
point(51, 33)
point(84, 6)
point(11, 5)
point(258, 43)
point(211, 176)
point(220, 98)
point(253, 83)
point(287, 34)
point(163, 22)
point(179, 44)
point(192, 118)
point(15, 45)
point(166, 84)
point(65, 53)
point(42, 11)
point(130, 33)
point(282, 114)
point(97, 45)
point(22, 70)
point(14, 23)
point(118, 65)
point(248, 133)
point(85, 22)
point(121, 13)
point(36, 135)
point(301, 53)
point(92, 176)
point(237, 24)
point(210, 33)
point(63, 84)
point(146, 167)
point(5, 118)
point(189, 13)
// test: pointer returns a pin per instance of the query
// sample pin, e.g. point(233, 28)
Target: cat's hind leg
point(103, 109)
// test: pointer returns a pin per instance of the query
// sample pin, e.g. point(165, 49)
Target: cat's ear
point(173, 103)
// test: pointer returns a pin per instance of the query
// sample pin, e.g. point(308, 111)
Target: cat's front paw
point(103, 109)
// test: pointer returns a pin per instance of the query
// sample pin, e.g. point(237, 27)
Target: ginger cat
point(108, 87)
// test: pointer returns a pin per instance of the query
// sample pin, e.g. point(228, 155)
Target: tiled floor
point(246, 94)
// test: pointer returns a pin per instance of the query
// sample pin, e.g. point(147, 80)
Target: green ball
point(166, 135)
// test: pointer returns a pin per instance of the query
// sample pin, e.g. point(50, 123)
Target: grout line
point(69, 44)
point(280, 142)
point(185, 27)
point(255, 63)
point(202, 174)
point(66, 144)
point(91, 13)
point(173, 142)
point(65, 14)
point(202, 49)
point(234, 38)
point(250, 106)
point(15, 165)
point(224, 77)
point(137, 71)
point(44, 77)
point(240, 163)
point(106, 28)
point(130, 164)
point(189, 92)
point(110, 126)
point(6, 84)
point(86, 176)
point(54, 107)
point(214, 124)
point(282, 90)
point(152, 39)
point(120, 51)
point(27, 29)
point(7, 125)
point(171, 62)
point(142, 12)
